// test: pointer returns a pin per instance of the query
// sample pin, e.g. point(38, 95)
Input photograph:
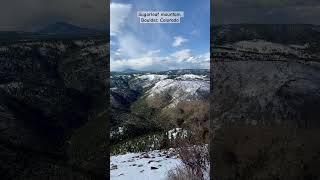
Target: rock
point(153, 168)
point(146, 156)
point(113, 167)
point(153, 161)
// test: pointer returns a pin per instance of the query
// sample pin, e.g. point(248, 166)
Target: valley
point(264, 114)
point(151, 111)
point(53, 104)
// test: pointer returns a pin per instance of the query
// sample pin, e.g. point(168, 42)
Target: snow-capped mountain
point(143, 100)
point(170, 86)
point(175, 90)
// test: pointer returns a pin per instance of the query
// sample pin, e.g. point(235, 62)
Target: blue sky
point(159, 46)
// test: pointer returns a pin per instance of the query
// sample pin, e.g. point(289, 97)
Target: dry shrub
point(195, 162)
point(181, 173)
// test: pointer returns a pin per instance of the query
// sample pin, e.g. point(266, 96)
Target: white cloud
point(130, 46)
point(182, 55)
point(151, 59)
point(153, 52)
point(135, 63)
point(183, 59)
point(178, 41)
point(118, 13)
point(194, 32)
point(204, 61)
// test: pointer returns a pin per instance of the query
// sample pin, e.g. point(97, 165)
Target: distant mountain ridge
point(65, 28)
point(55, 30)
point(166, 72)
point(279, 33)
point(129, 70)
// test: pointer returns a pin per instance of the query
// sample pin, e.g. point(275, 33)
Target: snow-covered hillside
point(180, 90)
point(143, 166)
point(174, 87)
point(192, 77)
point(262, 46)
point(154, 165)
point(147, 80)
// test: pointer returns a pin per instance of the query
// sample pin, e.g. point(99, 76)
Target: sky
point(28, 14)
point(265, 11)
point(25, 15)
point(156, 47)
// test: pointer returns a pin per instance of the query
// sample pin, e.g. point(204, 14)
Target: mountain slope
point(148, 102)
point(65, 28)
point(265, 96)
point(52, 94)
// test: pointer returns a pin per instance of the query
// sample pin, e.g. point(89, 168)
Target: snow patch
point(147, 80)
point(177, 132)
point(116, 132)
point(191, 77)
point(142, 166)
point(262, 46)
point(179, 90)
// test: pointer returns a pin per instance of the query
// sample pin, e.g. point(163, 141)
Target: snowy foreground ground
point(153, 165)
